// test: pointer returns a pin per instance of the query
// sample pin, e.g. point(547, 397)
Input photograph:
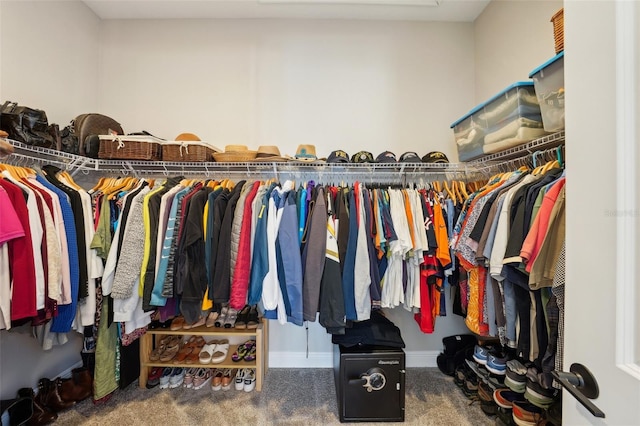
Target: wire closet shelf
point(373, 173)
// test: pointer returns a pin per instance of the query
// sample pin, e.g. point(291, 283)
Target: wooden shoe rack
point(235, 336)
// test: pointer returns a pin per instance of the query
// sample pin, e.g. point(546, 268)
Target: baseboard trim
point(67, 373)
point(325, 359)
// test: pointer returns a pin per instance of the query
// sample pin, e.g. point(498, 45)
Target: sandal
point(220, 352)
point(243, 318)
point(211, 319)
point(172, 349)
point(207, 352)
point(157, 352)
point(177, 323)
point(194, 356)
point(242, 351)
point(251, 355)
point(253, 319)
point(222, 317)
point(185, 351)
point(230, 319)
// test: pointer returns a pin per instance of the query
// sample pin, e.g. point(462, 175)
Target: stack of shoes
point(485, 396)
point(527, 414)
point(536, 392)
point(516, 376)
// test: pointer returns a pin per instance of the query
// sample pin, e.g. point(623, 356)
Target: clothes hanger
point(448, 190)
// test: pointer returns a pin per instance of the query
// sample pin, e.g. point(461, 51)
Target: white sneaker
point(249, 380)
point(240, 378)
point(177, 377)
point(166, 376)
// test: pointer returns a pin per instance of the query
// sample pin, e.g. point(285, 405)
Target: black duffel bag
point(26, 125)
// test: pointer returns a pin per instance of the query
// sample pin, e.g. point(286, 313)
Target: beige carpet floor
point(301, 397)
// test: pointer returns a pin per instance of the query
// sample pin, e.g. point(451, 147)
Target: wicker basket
point(129, 147)
point(558, 30)
point(187, 151)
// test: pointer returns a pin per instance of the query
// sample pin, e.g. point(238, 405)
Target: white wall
point(49, 57)
point(48, 60)
point(512, 38)
point(351, 85)
point(336, 84)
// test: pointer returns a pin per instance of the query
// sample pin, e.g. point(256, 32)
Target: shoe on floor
point(177, 377)
point(249, 380)
point(526, 414)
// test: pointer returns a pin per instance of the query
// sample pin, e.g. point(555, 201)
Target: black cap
point(435, 157)
point(362, 157)
point(386, 157)
point(410, 157)
point(338, 156)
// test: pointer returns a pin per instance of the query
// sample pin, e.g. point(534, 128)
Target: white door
point(602, 296)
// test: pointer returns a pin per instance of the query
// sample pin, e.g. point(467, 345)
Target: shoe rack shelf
point(260, 334)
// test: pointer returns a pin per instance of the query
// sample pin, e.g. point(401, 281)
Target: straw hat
point(306, 153)
point(187, 137)
point(269, 154)
point(235, 153)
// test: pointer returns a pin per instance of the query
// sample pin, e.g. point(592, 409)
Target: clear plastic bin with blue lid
point(548, 80)
point(510, 118)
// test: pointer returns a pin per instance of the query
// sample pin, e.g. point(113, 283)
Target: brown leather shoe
point(39, 415)
point(69, 391)
point(84, 381)
point(49, 397)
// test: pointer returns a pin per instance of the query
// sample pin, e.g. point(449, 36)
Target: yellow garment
point(206, 303)
point(147, 239)
point(440, 227)
point(472, 318)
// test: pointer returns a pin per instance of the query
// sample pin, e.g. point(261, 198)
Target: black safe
point(369, 383)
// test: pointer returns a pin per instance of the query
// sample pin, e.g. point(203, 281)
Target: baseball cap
point(435, 157)
point(386, 157)
point(338, 156)
point(362, 157)
point(410, 157)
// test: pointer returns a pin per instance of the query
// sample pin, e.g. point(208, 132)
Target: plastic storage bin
point(548, 80)
point(510, 118)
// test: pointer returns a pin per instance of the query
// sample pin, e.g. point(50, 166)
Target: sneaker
point(497, 363)
point(164, 379)
point(516, 376)
point(249, 380)
point(153, 379)
point(481, 354)
point(485, 395)
point(177, 377)
point(540, 396)
point(188, 377)
point(227, 378)
point(505, 397)
point(526, 414)
point(202, 378)
point(240, 378)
